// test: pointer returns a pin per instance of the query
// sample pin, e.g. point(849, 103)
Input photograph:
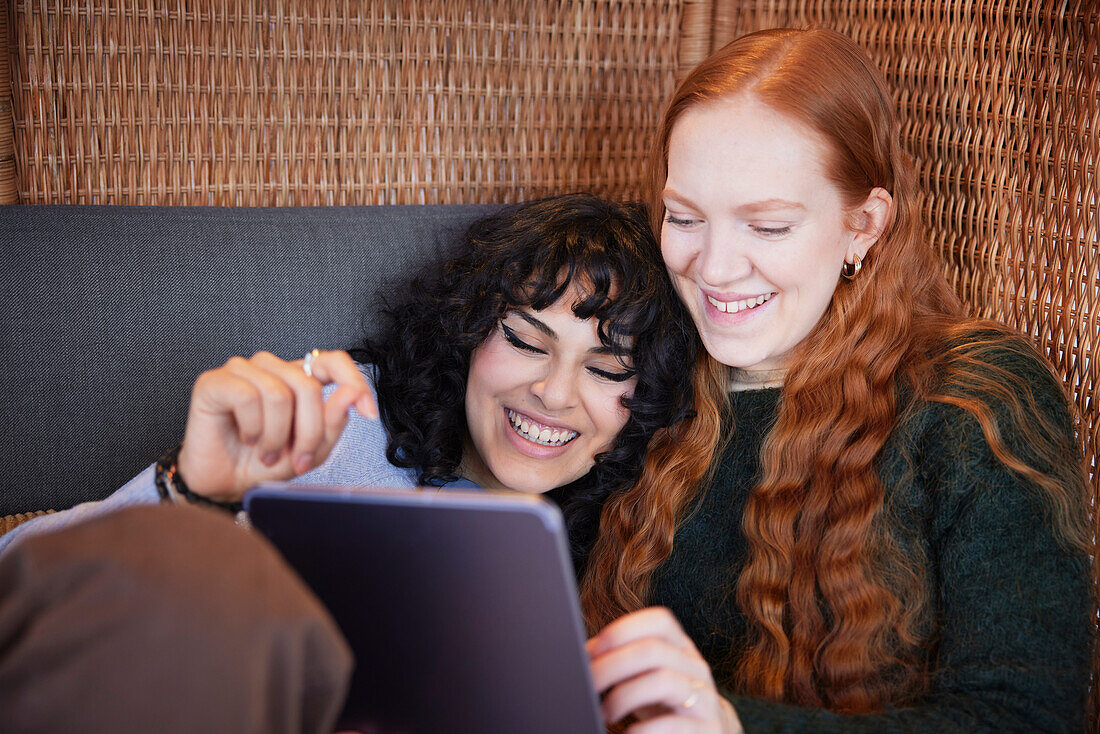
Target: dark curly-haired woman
point(541, 358)
point(537, 283)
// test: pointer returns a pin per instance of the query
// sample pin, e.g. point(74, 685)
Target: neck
point(741, 379)
point(472, 467)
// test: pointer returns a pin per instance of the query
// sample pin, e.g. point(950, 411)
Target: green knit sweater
point(1011, 609)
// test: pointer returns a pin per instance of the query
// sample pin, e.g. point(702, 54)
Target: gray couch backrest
point(110, 313)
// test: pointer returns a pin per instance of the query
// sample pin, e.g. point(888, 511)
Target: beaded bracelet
point(170, 484)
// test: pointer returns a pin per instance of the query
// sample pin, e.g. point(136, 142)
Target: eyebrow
point(750, 208)
point(541, 326)
point(671, 194)
point(771, 204)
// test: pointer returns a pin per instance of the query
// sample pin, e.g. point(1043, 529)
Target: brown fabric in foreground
point(165, 619)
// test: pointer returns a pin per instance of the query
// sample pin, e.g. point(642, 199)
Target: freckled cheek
point(683, 282)
point(676, 254)
point(682, 285)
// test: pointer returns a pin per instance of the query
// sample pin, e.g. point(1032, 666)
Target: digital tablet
point(460, 607)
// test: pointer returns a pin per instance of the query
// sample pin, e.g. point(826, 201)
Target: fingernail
point(303, 462)
point(270, 458)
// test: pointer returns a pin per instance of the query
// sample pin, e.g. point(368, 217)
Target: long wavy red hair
point(823, 587)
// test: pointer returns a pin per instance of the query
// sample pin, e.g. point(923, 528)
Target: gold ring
point(693, 697)
point(307, 363)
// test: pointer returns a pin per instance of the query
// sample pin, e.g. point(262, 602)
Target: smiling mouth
point(534, 432)
point(743, 305)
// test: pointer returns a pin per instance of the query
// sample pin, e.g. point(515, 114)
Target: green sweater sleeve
point(1011, 606)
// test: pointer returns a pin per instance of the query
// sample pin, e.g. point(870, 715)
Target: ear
point(869, 222)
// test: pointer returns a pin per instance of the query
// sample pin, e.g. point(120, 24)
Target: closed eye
point(613, 376)
point(518, 343)
point(678, 221)
point(772, 231)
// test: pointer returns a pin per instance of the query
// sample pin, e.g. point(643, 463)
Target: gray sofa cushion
point(111, 312)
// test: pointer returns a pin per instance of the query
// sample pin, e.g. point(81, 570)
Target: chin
point(525, 483)
point(729, 356)
point(531, 490)
point(743, 357)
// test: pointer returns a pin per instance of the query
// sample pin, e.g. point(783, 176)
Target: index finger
point(650, 622)
point(338, 367)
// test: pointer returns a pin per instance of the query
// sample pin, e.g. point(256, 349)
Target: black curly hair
point(528, 256)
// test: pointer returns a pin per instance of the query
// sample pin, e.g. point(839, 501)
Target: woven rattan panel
point(335, 102)
point(10, 522)
point(8, 186)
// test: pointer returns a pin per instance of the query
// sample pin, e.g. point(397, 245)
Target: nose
point(722, 258)
point(556, 389)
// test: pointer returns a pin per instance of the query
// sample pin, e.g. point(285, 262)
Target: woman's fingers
point(672, 690)
point(278, 402)
point(220, 392)
point(339, 368)
point(225, 430)
point(638, 656)
point(317, 422)
point(649, 622)
point(673, 724)
point(650, 671)
point(646, 666)
point(269, 418)
point(641, 641)
point(308, 426)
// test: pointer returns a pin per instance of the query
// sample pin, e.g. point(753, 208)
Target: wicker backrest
point(314, 102)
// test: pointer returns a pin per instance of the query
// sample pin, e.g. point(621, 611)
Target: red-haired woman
point(895, 536)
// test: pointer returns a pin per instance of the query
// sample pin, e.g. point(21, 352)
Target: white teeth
point(745, 303)
point(544, 436)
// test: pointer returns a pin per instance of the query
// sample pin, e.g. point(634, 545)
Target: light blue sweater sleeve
point(141, 490)
point(358, 458)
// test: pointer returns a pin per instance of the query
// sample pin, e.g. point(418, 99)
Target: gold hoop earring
point(851, 270)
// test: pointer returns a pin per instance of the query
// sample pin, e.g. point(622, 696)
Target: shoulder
point(995, 377)
point(994, 428)
point(976, 356)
